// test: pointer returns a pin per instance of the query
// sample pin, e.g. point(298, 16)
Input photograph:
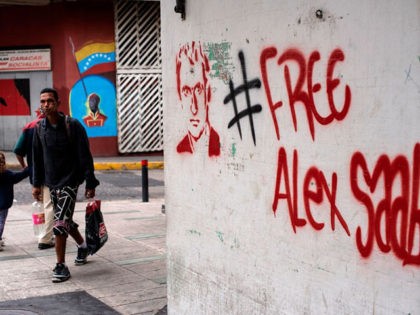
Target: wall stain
point(219, 57)
point(410, 78)
point(235, 243)
point(220, 236)
point(194, 232)
point(233, 149)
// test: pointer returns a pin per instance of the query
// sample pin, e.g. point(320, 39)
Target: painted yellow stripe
point(94, 48)
point(99, 166)
point(108, 166)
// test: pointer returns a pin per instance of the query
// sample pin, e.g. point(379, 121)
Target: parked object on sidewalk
point(96, 233)
point(145, 180)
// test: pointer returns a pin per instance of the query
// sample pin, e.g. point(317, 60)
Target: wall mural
point(14, 97)
point(93, 96)
point(194, 92)
point(397, 177)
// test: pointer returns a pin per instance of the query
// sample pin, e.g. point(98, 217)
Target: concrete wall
point(311, 206)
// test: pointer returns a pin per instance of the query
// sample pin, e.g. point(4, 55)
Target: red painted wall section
point(56, 26)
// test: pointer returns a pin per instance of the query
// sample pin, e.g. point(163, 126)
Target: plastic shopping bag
point(96, 233)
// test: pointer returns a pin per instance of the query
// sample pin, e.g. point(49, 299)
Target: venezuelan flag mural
point(96, 58)
point(93, 97)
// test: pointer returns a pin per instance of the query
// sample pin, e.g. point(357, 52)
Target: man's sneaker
point(61, 273)
point(2, 243)
point(82, 254)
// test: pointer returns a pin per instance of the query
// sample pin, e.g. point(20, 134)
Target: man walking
point(62, 161)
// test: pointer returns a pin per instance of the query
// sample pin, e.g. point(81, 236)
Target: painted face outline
point(94, 101)
point(193, 98)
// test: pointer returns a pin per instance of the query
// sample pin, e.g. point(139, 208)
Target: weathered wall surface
point(299, 193)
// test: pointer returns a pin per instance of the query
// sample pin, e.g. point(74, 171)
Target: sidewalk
point(127, 276)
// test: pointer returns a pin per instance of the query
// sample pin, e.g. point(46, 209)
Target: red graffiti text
point(298, 93)
point(314, 188)
point(398, 211)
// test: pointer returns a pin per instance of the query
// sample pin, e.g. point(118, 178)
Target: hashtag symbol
point(250, 110)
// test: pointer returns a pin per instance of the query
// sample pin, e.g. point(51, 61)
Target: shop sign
point(25, 60)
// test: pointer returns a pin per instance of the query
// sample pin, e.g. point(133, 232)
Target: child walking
point(7, 181)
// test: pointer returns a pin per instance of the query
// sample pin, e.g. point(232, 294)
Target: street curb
point(110, 166)
point(105, 166)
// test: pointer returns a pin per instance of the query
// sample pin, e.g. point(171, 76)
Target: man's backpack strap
point(68, 130)
point(38, 128)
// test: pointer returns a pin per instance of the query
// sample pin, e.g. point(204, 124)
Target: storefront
point(82, 42)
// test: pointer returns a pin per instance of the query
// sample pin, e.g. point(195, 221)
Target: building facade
point(103, 57)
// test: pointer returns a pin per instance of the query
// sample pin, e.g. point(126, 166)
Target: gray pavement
point(126, 276)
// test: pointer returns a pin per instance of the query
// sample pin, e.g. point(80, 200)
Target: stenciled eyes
point(197, 89)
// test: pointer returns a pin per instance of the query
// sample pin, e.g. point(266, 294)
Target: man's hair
point(194, 54)
point(50, 90)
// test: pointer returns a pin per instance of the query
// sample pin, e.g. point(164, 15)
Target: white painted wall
point(228, 253)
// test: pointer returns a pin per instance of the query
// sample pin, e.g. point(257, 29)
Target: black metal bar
point(145, 180)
